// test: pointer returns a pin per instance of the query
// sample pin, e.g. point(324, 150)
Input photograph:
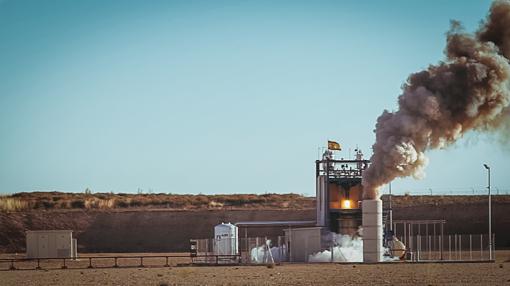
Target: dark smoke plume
point(470, 90)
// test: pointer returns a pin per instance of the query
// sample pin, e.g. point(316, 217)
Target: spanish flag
point(332, 145)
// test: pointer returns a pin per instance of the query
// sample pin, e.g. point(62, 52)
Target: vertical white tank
point(225, 239)
point(372, 230)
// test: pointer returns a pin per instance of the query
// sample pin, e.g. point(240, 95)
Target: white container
point(49, 244)
point(225, 239)
point(372, 231)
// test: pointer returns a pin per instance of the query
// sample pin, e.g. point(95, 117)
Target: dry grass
point(12, 204)
point(58, 200)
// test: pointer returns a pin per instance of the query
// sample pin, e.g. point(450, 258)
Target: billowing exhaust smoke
point(468, 91)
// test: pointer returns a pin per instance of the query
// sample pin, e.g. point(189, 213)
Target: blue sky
point(215, 96)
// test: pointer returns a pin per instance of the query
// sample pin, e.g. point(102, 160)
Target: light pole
point(490, 216)
point(391, 212)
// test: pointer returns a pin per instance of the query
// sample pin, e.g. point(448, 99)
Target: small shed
point(50, 244)
point(303, 242)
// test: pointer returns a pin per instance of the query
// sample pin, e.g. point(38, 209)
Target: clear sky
point(215, 96)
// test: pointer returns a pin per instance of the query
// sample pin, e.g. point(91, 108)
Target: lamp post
point(490, 216)
point(391, 212)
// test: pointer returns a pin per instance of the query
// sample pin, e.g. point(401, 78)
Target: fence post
point(433, 236)
point(90, 263)
point(450, 246)
point(456, 250)
point(417, 255)
point(481, 246)
point(38, 264)
point(441, 247)
point(166, 262)
point(266, 249)
point(405, 234)
point(12, 265)
point(64, 266)
point(410, 233)
point(442, 239)
point(279, 249)
point(141, 261)
point(494, 246)
point(460, 246)
point(470, 247)
point(116, 265)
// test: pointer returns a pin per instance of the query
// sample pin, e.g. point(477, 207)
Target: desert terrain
point(286, 274)
point(148, 228)
point(165, 223)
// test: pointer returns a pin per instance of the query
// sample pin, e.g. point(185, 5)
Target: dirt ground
point(497, 273)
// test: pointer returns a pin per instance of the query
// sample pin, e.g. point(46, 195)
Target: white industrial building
point(51, 244)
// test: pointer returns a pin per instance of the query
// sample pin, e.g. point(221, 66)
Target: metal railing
point(262, 250)
point(123, 261)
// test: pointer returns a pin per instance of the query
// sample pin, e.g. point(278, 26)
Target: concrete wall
point(170, 231)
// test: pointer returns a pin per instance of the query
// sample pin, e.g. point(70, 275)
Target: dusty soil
point(288, 274)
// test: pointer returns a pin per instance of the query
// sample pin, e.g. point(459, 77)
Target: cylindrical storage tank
point(225, 239)
point(372, 230)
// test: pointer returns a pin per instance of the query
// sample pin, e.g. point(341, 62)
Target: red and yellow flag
point(332, 145)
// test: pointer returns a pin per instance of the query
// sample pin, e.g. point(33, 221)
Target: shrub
point(121, 204)
point(64, 204)
point(78, 204)
point(135, 203)
point(48, 204)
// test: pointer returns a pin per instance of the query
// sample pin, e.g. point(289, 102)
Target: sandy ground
point(497, 273)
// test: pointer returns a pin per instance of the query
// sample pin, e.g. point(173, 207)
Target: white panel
point(372, 219)
point(43, 246)
point(49, 243)
point(32, 247)
point(372, 232)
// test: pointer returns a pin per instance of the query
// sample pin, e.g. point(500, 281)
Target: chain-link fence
point(451, 247)
point(251, 250)
point(267, 250)
point(476, 191)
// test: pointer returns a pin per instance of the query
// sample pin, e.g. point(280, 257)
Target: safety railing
point(123, 261)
